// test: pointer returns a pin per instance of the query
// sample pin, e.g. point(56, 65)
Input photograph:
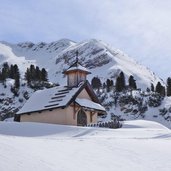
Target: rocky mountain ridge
point(93, 54)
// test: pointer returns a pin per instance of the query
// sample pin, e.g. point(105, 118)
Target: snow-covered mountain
point(102, 60)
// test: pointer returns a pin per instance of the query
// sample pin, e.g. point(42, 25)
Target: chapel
point(72, 104)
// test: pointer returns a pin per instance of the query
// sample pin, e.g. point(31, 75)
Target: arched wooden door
point(81, 118)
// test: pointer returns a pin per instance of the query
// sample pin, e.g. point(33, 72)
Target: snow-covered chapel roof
point(59, 97)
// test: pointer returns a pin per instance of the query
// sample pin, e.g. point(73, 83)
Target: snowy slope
point(136, 104)
point(8, 102)
point(94, 54)
point(139, 145)
point(7, 55)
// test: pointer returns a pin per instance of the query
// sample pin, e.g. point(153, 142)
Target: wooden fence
point(114, 124)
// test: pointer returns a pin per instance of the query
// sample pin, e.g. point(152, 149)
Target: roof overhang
point(76, 67)
point(76, 70)
point(90, 105)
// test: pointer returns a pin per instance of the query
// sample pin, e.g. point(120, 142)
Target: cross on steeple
point(76, 56)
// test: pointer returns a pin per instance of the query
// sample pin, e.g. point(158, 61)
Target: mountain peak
point(102, 59)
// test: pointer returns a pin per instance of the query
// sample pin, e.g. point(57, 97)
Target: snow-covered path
point(139, 145)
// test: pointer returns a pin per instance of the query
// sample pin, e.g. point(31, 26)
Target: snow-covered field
point(139, 145)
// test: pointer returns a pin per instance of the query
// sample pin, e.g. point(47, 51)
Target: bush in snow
point(155, 100)
point(163, 111)
point(26, 95)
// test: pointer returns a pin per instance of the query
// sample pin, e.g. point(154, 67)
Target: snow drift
point(140, 145)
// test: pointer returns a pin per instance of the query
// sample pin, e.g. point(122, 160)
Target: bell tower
point(76, 73)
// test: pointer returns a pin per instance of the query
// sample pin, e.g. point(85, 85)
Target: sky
point(140, 28)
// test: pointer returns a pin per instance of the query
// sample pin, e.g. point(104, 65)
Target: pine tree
point(104, 85)
point(32, 72)
point(44, 75)
point(5, 70)
point(96, 83)
point(4, 74)
point(120, 82)
point(17, 81)
point(11, 75)
point(122, 79)
point(28, 76)
point(163, 93)
point(16, 76)
point(132, 83)
point(111, 83)
point(169, 86)
point(2, 78)
point(160, 89)
point(108, 85)
point(37, 74)
point(152, 87)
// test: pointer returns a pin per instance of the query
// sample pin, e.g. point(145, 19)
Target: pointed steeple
point(76, 56)
point(76, 73)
